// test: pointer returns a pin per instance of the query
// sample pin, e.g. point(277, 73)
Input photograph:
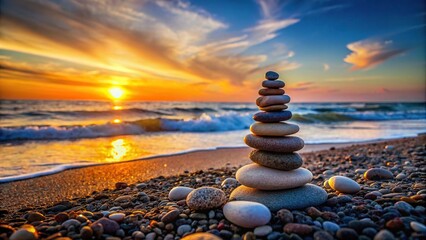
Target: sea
point(44, 137)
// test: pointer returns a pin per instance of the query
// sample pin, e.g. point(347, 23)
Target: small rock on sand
point(205, 198)
point(247, 214)
point(344, 184)
point(179, 193)
point(377, 174)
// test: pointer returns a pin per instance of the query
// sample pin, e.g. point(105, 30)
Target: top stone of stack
point(270, 75)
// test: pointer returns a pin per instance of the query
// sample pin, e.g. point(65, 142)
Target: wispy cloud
point(352, 79)
point(301, 86)
point(368, 54)
point(155, 40)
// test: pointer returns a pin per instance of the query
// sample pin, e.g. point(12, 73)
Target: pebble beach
point(389, 204)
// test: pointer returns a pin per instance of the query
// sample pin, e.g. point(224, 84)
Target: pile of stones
point(276, 178)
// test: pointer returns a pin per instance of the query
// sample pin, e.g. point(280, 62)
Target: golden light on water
point(116, 92)
point(119, 150)
point(117, 107)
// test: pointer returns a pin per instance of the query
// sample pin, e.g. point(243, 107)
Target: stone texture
point(296, 198)
point(275, 144)
point(170, 216)
point(378, 174)
point(271, 91)
point(179, 193)
point(247, 214)
point(272, 100)
point(26, 232)
point(274, 129)
point(343, 184)
point(300, 229)
point(109, 226)
point(273, 84)
point(118, 217)
point(263, 178)
point(282, 161)
point(35, 216)
point(273, 108)
point(271, 75)
point(205, 198)
point(272, 117)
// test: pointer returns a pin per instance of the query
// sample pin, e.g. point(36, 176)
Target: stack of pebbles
point(276, 178)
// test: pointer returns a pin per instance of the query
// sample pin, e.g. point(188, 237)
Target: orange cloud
point(368, 54)
point(127, 39)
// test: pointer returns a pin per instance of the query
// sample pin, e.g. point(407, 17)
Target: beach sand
point(74, 183)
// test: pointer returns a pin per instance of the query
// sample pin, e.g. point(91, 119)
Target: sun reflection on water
point(117, 107)
point(118, 151)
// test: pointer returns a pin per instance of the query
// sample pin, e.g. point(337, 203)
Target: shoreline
point(79, 182)
point(67, 167)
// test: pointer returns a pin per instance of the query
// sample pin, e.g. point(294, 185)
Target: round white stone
point(343, 184)
point(179, 193)
point(273, 129)
point(263, 178)
point(247, 214)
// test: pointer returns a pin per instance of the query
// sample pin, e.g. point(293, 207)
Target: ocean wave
point(227, 121)
point(204, 123)
point(88, 114)
point(193, 109)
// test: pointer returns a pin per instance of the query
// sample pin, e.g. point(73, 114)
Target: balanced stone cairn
point(276, 178)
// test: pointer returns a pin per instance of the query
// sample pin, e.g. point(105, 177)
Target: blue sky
point(324, 50)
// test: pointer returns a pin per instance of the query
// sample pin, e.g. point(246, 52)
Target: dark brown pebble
point(170, 216)
point(322, 235)
point(271, 91)
point(285, 216)
point(301, 229)
point(313, 212)
point(377, 174)
point(120, 185)
point(61, 217)
point(347, 234)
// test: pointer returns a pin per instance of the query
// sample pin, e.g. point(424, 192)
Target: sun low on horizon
point(190, 50)
point(116, 93)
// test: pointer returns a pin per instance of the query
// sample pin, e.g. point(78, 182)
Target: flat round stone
point(263, 178)
point(377, 174)
point(271, 91)
point(296, 198)
point(247, 214)
point(272, 117)
point(179, 193)
point(273, 84)
point(271, 75)
point(282, 161)
point(343, 184)
point(274, 144)
point(274, 129)
point(274, 108)
point(272, 100)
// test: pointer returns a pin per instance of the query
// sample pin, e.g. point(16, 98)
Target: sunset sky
point(213, 50)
